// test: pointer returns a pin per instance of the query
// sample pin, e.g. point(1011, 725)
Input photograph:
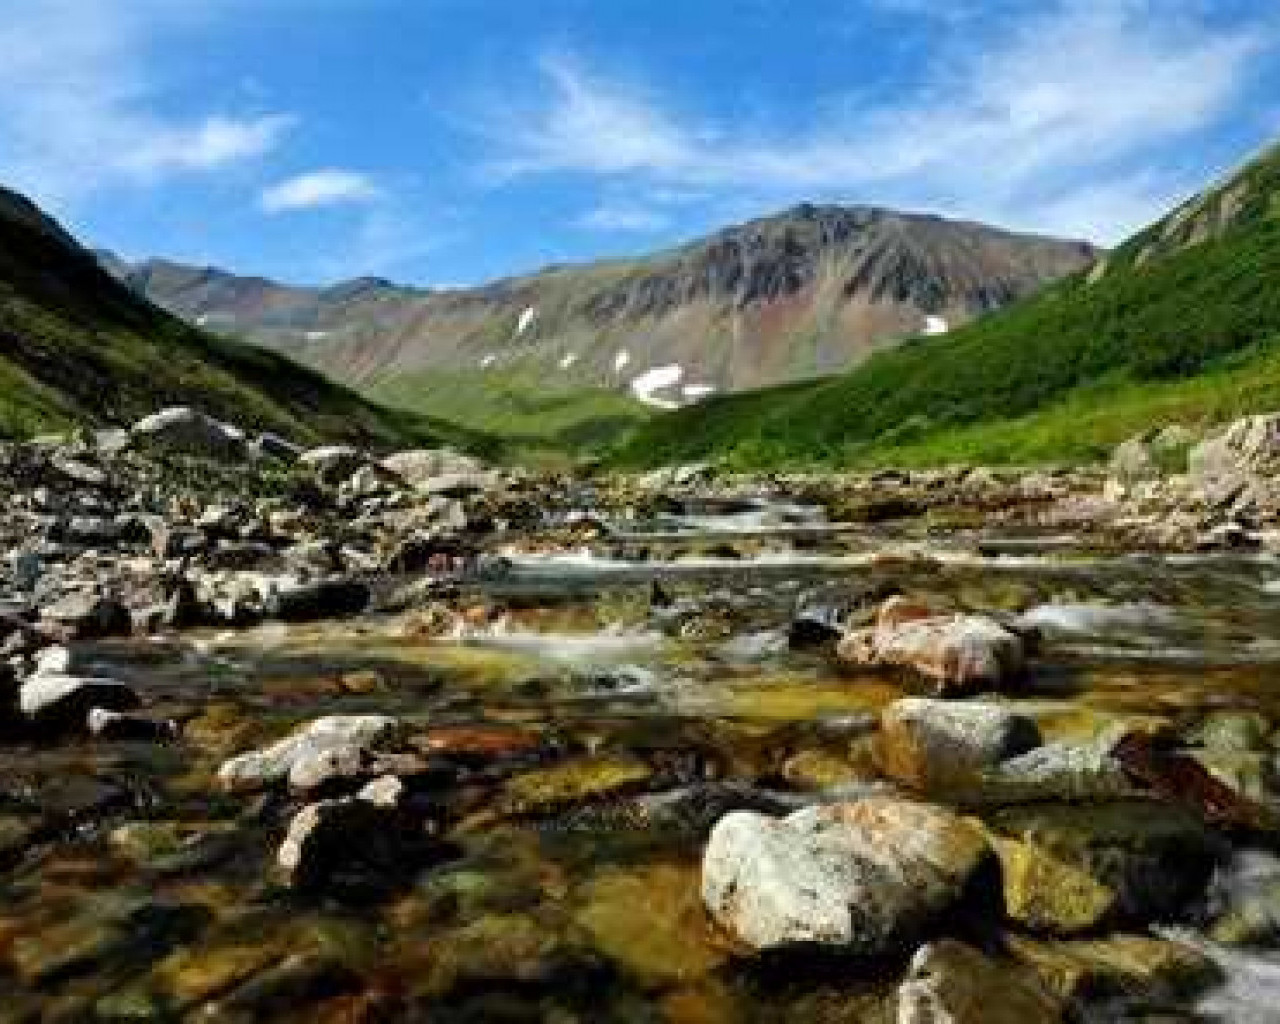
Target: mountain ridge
point(773, 299)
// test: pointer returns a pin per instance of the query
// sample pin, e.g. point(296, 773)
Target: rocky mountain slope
point(76, 347)
point(781, 298)
point(1180, 324)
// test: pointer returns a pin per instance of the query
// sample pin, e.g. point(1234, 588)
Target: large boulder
point(304, 748)
point(955, 654)
point(865, 877)
point(189, 432)
point(1134, 460)
point(936, 745)
point(422, 469)
point(1241, 465)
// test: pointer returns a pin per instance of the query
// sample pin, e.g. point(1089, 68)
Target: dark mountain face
point(77, 347)
point(810, 291)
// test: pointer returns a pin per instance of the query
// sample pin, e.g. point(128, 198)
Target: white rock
point(864, 877)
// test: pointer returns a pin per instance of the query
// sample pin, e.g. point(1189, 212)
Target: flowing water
point(600, 708)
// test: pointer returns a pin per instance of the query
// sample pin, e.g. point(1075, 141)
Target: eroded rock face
point(935, 745)
point(304, 750)
point(954, 653)
point(1241, 465)
point(863, 877)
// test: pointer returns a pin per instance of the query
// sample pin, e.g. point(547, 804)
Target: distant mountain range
point(809, 291)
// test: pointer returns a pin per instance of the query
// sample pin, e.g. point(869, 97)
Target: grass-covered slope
point(1177, 325)
point(520, 405)
point(78, 348)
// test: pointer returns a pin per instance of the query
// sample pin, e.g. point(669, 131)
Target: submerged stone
point(1085, 969)
point(949, 982)
point(575, 780)
point(1156, 858)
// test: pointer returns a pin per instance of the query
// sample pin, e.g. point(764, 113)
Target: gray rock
point(323, 599)
point(422, 469)
point(273, 446)
point(1058, 771)
point(87, 616)
point(936, 745)
point(954, 653)
point(189, 432)
point(352, 845)
point(55, 700)
point(951, 983)
point(333, 463)
point(866, 877)
point(1240, 465)
point(116, 725)
point(1134, 460)
point(307, 747)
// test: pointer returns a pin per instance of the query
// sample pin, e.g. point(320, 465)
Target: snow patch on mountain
point(660, 378)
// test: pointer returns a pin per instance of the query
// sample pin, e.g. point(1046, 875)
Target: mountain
point(78, 347)
point(1180, 324)
point(806, 292)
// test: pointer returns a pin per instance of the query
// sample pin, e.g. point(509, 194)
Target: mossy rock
point(1045, 893)
point(575, 780)
point(1232, 731)
point(819, 769)
point(1155, 857)
point(952, 982)
point(650, 921)
point(1086, 969)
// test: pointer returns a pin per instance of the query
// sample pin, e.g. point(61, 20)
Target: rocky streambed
point(319, 736)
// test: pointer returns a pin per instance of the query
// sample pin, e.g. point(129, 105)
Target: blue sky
point(448, 142)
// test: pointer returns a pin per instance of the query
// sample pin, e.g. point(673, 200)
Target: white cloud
point(81, 105)
point(592, 125)
point(1052, 107)
point(328, 187)
point(624, 218)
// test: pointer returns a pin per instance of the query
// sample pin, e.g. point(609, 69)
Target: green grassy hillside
point(518, 405)
point(1178, 325)
point(77, 348)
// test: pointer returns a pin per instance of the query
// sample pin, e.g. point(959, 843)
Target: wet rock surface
point(355, 736)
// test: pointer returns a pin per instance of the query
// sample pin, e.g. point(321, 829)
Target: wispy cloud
point(1039, 111)
point(625, 217)
point(80, 106)
point(315, 189)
